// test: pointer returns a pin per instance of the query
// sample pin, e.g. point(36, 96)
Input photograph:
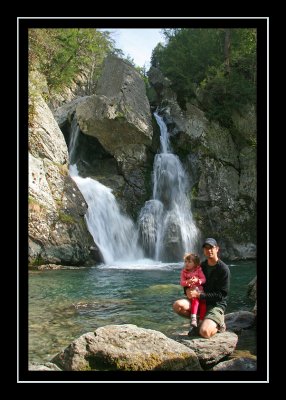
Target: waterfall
point(166, 228)
point(166, 225)
point(114, 233)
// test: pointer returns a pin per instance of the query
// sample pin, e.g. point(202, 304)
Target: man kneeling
point(215, 292)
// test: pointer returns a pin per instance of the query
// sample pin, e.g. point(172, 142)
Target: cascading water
point(166, 225)
point(114, 233)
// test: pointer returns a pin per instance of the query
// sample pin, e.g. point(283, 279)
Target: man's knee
point(205, 333)
point(176, 306)
point(208, 329)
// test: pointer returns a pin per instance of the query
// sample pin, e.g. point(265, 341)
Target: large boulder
point(126, 348)
point(119, 114)
point(239, 320)
point(118, 117)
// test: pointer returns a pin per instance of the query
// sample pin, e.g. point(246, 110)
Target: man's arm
point(222, 287)
point(220, 291)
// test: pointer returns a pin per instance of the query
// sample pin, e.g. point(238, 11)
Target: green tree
point(186, 56)
point(220, 64)
point(232, 86)
point(62, 54)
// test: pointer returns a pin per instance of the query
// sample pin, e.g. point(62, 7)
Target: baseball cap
point(210, 241)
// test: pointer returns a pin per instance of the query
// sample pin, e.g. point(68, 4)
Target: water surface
point(64, 304)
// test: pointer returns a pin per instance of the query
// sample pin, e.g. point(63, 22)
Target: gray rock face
point(238, 364)
point(112, 123)
point(245, 125)
point(121, 82)
point(247, 160)
point(57, 230)
point(126, 348)
point(252, 289)
point(251, 292)
point(65, 113)
point(239, 320)
point(34, 366)
point(222, 168)
point(119, 113)
point(45, 137)
point(172, 242)
point(119, 117)
point(210, 351)
point(161, 84)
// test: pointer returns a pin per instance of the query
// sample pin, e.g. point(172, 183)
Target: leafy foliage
point(61, 55)
point(216, 66)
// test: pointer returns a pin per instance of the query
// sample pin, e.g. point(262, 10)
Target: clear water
point(64, 304)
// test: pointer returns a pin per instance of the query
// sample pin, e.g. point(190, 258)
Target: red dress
point(195, 303)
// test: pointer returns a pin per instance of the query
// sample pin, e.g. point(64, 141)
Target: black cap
point(212, 242)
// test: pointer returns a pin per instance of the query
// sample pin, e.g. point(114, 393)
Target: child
point(192, 278)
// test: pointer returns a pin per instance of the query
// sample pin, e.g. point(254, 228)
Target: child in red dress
point(192, 278)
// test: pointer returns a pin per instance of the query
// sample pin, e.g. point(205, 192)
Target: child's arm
point(201, 276)
point(200, 279)
point(184, 281)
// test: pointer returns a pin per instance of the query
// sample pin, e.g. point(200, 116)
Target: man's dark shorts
point(216, 314)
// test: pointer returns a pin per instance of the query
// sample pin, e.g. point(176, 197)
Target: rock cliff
point(56, 228)
point(222, 167)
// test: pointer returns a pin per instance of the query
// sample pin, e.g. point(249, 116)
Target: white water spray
point(114, 233)
point(166, 224)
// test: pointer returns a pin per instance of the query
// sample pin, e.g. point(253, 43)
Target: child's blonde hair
point(192, 257)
